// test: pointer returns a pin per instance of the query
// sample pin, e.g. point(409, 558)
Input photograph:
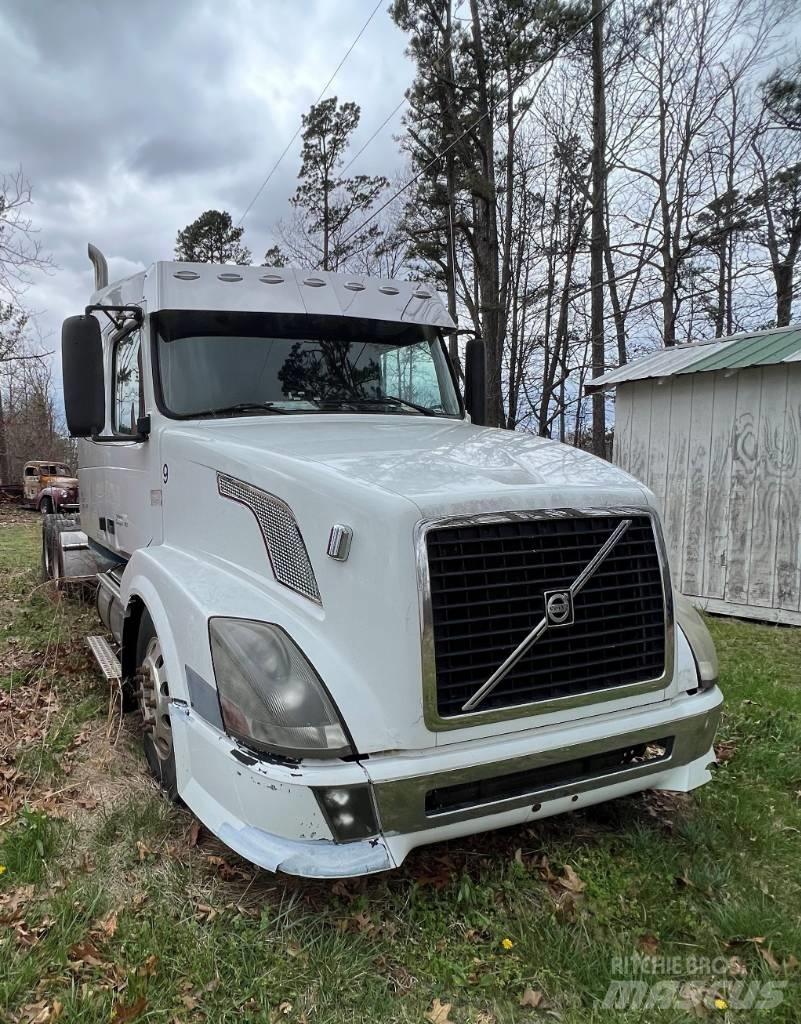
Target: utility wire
point(286, 149)
point(394, 111)
point(378, 130)
point(478, 120)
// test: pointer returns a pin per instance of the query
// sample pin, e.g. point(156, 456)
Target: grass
point(111, 907)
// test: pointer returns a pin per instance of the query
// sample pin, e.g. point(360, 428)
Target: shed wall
point(722, 453)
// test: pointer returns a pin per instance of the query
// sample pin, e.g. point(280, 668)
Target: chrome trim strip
point(575, 588)
point(433, 720)
point(401, 803)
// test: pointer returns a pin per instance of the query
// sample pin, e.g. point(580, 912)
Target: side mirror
point(475, 381)
point(82, 371)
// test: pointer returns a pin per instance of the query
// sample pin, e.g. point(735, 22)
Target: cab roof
point(199, 286)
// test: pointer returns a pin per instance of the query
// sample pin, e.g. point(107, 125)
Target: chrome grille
point(488, 582)
point(282, 538)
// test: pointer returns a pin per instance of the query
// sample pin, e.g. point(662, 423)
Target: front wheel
point(153, 697)
point(46, 507)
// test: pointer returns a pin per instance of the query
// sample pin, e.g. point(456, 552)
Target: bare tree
point(20, 248)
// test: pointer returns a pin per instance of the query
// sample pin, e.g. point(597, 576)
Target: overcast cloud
point(130, 119)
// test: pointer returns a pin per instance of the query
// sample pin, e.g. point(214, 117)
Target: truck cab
point(354, 619)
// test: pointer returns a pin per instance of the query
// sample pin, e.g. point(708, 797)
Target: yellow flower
point(2, 869)
point(507, 943)
point(721, 1004)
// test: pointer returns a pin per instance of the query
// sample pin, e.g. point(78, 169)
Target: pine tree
point(331, 206)
point(212, 238)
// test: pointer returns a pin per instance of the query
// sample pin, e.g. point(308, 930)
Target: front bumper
point(268, 813)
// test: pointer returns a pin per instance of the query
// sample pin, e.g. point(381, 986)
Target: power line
point(394, 111)
point(378, 130)
point(286, 149)
point(478, 121)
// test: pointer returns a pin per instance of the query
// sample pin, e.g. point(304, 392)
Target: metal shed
point(714, 429)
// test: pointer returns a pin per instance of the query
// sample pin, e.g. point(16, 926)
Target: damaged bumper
point(271, 814)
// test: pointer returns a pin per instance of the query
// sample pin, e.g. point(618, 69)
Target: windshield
point(226, 364)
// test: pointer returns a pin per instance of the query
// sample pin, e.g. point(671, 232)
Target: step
point(106, 658)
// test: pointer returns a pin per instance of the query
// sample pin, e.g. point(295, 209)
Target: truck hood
point(440, 465)
point(380, 475)
point(67, 482)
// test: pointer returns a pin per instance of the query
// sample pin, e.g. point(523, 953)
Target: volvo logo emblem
point(558, 607)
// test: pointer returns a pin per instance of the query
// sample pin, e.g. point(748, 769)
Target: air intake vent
point(282, 538)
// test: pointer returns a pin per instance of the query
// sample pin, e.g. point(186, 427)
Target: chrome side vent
point(282, 537)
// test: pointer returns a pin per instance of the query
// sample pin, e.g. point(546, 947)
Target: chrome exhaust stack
point(100, 265)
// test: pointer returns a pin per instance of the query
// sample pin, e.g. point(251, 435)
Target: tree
point(212, 238)
point(327, 231)
point(275, 257)
point(12, 327)
point(781, 95)
point(779, 200)
point(20, 249)
point(470, 99)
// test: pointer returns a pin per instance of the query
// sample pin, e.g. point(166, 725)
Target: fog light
point(349, 811)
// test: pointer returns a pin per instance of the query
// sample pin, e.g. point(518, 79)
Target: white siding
point(722, 453)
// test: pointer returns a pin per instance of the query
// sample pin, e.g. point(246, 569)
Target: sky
point(131, 119)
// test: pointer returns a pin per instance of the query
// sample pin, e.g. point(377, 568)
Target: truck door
point(30, 484)
point(126, 515)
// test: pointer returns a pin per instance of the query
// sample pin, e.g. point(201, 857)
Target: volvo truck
point(354, 619)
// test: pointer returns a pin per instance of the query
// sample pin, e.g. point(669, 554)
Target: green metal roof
point(763, 348)
point(752, 348)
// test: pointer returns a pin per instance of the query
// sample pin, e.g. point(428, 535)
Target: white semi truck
point(354, 619)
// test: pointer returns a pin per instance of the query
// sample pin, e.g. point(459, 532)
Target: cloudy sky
point(131, 118)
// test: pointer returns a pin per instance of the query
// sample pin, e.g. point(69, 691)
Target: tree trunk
point(486, 222)
point(598, 227)
point(783, 276)
point(614, 296)
point(4, 468)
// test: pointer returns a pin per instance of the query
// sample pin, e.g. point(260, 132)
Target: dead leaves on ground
point(124, 1012)
point(566, 889)
point(14, 905)
point(362, 923)
point(439, 1012)
point(787, 966)
point(666, 807)
point(531, 998)
point(400, 979)
point(42, 1012)
point(648, 944)
point(725, 750)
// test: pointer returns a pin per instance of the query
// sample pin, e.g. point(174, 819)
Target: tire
point(47, 547)
point(46, 507)
point(52, 555)
point(152, 691)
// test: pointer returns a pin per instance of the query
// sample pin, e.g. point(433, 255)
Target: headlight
point(271, 697)
point(694, 628)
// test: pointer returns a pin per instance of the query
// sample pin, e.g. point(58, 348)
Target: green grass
point(198, 935)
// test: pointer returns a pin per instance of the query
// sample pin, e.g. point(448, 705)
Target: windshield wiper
point(229, 410)
point(392, 400)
